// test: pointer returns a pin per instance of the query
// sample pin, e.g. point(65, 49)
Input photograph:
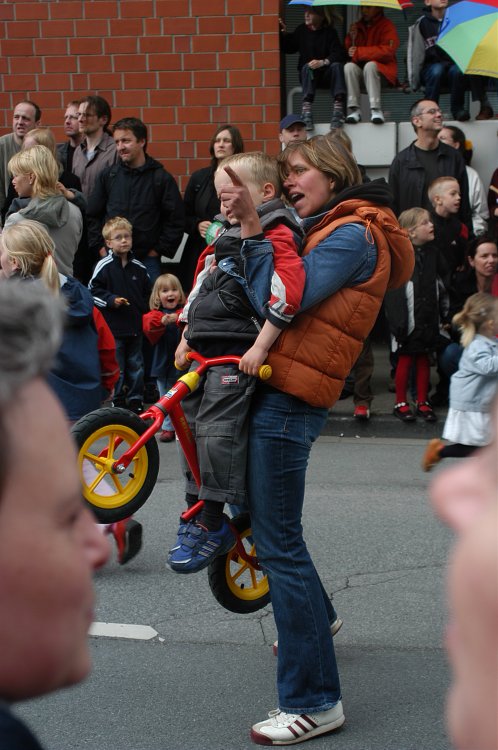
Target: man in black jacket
point(414, 168)
point(141, 190)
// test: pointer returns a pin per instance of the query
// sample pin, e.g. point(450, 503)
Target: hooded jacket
point(377, 42)
point(312, 358)
point(422, 49)
point(63, 222)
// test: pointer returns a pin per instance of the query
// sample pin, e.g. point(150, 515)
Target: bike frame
point(170, 404)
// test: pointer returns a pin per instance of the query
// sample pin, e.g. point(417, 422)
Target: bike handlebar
point(264, 372)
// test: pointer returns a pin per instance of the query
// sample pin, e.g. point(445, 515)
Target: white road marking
point(122, 630)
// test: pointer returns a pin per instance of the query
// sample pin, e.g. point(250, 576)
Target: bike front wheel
point(235, 584)
point(101, 438)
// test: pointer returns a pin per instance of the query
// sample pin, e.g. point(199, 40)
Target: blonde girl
point(160, 327)
point(473, 386)
point(27, 250)
point(35, 176)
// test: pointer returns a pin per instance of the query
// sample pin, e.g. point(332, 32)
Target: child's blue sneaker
point(196, 547)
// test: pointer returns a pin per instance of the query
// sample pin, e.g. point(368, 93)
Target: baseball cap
point(289, 120)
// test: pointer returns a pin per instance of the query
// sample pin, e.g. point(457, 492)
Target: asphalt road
point(209, 674)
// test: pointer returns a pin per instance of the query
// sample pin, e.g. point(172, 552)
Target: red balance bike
point(118, 463)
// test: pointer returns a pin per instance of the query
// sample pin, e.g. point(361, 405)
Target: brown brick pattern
point(183, 66)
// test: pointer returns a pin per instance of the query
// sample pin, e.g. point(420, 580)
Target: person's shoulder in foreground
point(47, 564)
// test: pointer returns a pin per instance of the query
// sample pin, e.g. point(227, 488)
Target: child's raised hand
point(238, 204)
point(253, 359)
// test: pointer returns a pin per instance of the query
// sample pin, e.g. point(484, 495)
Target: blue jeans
point(331, 77)
point(449, 358)
point(282, 431)
point(131, 367)
point(433, 76)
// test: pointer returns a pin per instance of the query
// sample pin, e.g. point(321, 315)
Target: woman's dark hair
point(459, 137)
point(481, 239)
point(237, 142)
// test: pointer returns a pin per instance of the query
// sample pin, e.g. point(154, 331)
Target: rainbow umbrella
point(469, 34)
point(390, 4)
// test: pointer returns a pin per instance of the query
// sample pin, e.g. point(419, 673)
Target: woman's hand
point(202, 228)
point(239, 206)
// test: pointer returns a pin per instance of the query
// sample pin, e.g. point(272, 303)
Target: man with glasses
point(96, 151)
point(66, 150)
point(427, 158)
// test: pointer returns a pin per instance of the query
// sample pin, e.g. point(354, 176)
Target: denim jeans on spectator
point(330, 77)
point(282, 430)
point(449, 358)
point(435, 75)
point(131, 367)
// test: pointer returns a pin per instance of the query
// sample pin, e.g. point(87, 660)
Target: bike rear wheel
point(101, 438)
point(235, 584)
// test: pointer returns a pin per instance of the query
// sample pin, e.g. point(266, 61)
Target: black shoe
point(462, 116)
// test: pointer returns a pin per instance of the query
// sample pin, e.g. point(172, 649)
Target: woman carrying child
point(353, 251)
point(473, 387)
point(161, 329)
point(413, 316)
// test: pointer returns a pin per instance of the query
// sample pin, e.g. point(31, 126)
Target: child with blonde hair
point(121, 288)
point(473, 386)
point(85, 369)
point(27, 251)
point(226, 314)
point(161, 329)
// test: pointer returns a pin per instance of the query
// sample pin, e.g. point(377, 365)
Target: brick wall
point(182, 66)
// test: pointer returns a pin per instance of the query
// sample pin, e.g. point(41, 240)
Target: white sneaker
point(377, 116)
point(354, 115)
point(334, 628)
point(289, 729)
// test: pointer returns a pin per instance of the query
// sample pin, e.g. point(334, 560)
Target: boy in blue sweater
point(121, 287)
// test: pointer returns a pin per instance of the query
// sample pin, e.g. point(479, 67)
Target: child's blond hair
point(262, 168)
point(437, 187)
point(29, 244)
point(478, 309)
point(39, 161)
point(166, 280)
point(117, 222)
point(411, 217)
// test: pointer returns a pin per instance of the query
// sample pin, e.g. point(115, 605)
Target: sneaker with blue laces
point(196, 547)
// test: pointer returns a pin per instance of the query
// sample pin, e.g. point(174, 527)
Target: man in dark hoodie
point(142, 191)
